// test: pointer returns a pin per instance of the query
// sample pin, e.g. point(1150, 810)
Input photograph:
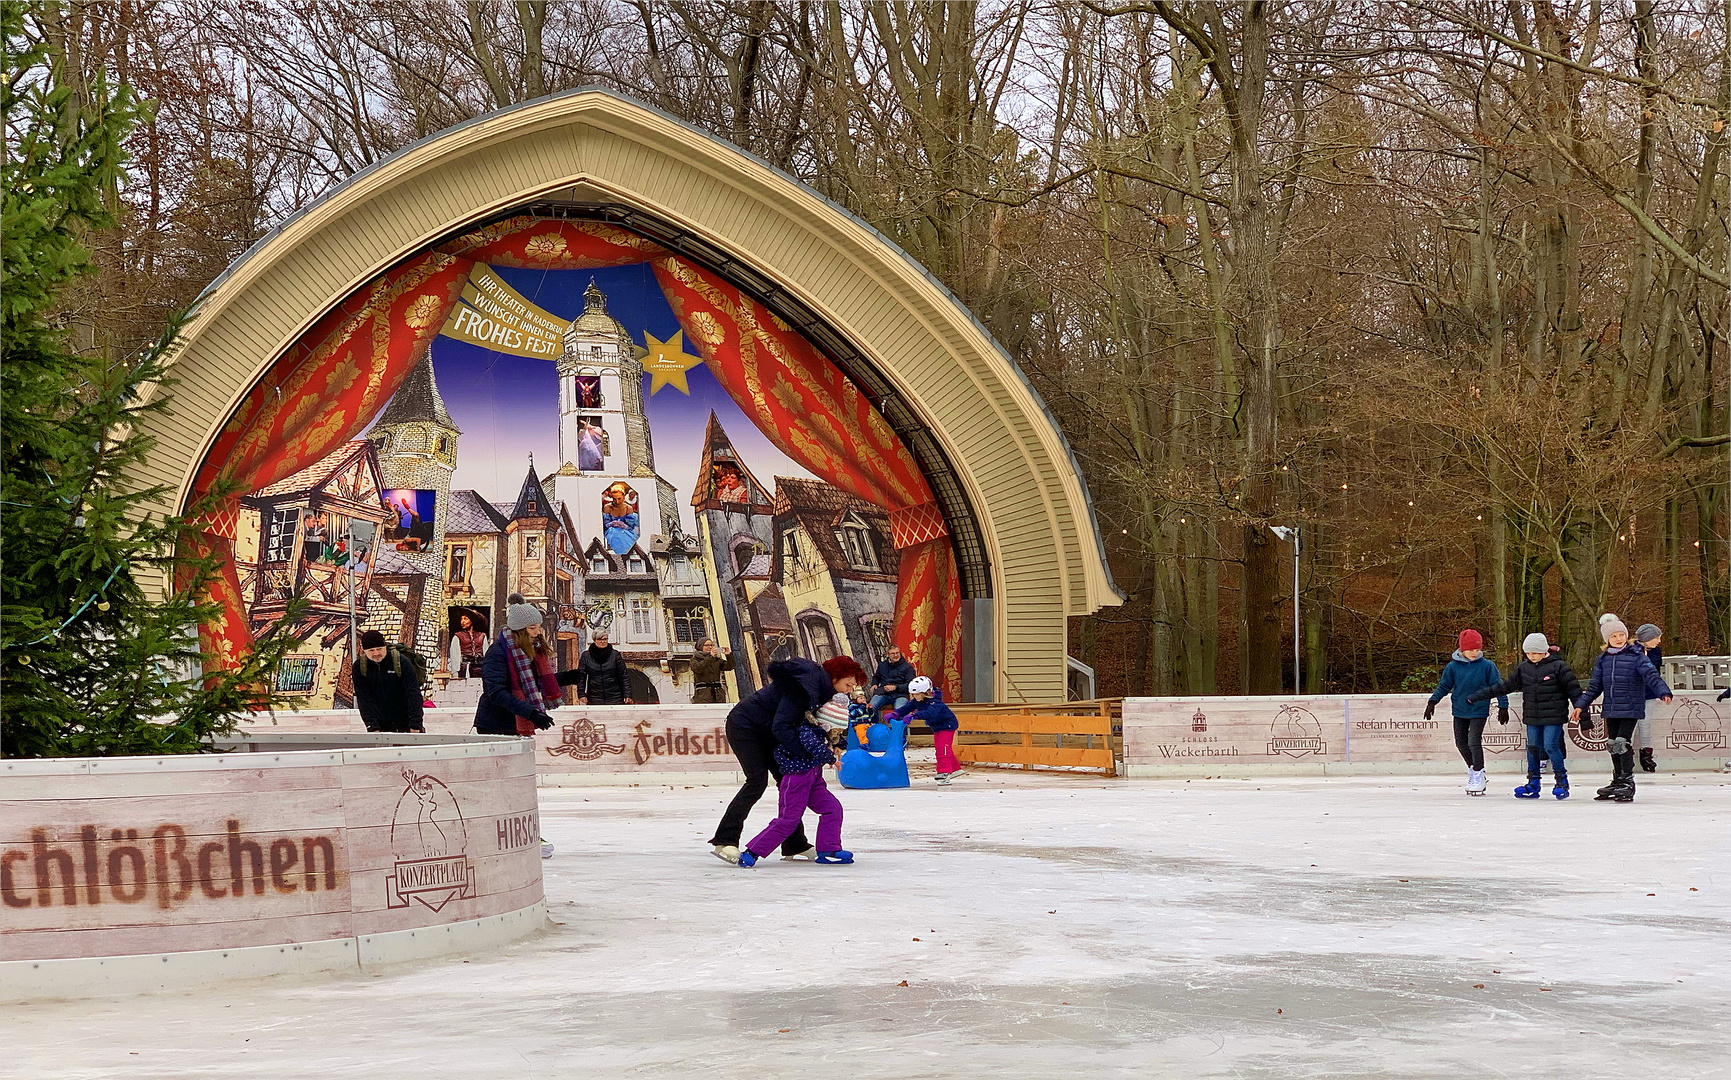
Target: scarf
point(532, 681)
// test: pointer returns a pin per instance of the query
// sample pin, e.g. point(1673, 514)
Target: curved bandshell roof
point(595, 146)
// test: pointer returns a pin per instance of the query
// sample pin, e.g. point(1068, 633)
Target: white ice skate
point(944, 779)
point(546, 849)
point(727, 853)
point(1475, 781)
point(807, 855)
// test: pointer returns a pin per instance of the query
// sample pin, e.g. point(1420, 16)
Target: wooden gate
point(1075, 734)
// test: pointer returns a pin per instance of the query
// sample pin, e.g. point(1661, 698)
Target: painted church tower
point(606, 476)
point(736, 528)
point(416, 441)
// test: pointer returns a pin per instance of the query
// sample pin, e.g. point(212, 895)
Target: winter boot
point(1532, 789)
point(1648, 764)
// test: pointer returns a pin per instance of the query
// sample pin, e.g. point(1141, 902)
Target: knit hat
point(1535, 642)
point(920, 685)
point(1648, 632)
point(521, 616)
point(833, 713)
point(1609, 626)
point(1470, 639)
point(372, 639)
point(843, 667)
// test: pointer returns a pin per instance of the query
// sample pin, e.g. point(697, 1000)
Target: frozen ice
point(1034, 926)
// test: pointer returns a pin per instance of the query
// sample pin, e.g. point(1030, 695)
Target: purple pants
point(800, 792)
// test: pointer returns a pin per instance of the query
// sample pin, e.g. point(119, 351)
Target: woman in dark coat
point(769, 718)
point(600, 675)
point(518, 683)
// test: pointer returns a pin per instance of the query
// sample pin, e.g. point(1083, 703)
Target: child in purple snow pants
point(800, 792)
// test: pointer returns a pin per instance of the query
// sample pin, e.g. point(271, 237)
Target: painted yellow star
point(667, 362)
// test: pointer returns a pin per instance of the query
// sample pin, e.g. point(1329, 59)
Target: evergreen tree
point(95, 656)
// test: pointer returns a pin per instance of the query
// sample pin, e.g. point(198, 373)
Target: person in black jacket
point(504, 698)
point(1548, 687)
point(771, 718)
point(387, 691)
point(601, 678)
point(1650, 638)
point(890, 681)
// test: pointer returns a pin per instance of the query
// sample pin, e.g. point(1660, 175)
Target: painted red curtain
point(336, 377)
point(815, 415)
point(339, 374)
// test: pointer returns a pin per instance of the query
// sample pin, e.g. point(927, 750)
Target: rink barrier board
point(268, 856)
point(1356, 734)
point(980, 739)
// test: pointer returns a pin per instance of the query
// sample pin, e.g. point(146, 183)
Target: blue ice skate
point(1561, 790)
point(1532, 789)
point(746, 858)
point(835, 858)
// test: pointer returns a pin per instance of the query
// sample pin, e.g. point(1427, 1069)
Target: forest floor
point(1034, 926)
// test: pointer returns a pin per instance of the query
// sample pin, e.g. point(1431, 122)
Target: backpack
point(401, 652)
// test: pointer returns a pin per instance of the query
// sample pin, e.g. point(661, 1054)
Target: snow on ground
point(1034, 926)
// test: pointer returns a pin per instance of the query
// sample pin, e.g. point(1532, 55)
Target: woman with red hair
point(770, 718)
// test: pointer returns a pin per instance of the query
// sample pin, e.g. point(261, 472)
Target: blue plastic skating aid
point(881, 763)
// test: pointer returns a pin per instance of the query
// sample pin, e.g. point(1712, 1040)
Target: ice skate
point(1561, 790)
point(807, 854)
point(1475, 781)
point(727, 853)
point(944, 779)
point(1648, 762)
point(546, 848)
point(746, 859)
point(1532, 789)
point(1608, 791)
point(835, 858)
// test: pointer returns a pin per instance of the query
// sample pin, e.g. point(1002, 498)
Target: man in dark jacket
point(1546, 684)
point(766, 719)
point(1626, 678)
point(890, 681)
point(387, 687)
point(601, 678)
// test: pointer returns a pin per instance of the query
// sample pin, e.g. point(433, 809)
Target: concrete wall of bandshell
point(1359, 733)
point(134, 874)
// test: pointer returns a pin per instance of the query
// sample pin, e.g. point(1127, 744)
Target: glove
point(1429, 709)
point(543, 721)
point(1586, 723)
point(1502, 714)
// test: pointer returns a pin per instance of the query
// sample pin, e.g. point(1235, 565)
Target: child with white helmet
point(926, 704)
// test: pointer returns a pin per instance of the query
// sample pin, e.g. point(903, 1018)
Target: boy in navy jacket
point(1462, 677)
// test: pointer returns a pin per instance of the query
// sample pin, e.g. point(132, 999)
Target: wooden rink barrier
point(291, 853)
point(1034, 736)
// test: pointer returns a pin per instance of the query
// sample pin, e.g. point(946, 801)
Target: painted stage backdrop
point(564, 410)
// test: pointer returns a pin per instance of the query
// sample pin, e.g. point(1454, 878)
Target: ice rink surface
point(1015, 926)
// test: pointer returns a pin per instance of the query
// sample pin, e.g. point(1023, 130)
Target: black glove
point(1429, 709)
point(1586, 723)
point(542, 721)
point(1502, 714)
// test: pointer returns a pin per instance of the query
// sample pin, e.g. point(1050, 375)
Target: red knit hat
point(842, 667)
point(1470, 639)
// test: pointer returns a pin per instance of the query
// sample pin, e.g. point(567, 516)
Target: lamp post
point(1286, 533)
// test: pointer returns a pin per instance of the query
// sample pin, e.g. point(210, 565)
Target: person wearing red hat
point(1464, 675)
point(769, 720)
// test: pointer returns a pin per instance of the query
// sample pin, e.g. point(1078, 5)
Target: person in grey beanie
point(1649, 637)
point(1626, 678)
point(1547, 685)
point(518, 683)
